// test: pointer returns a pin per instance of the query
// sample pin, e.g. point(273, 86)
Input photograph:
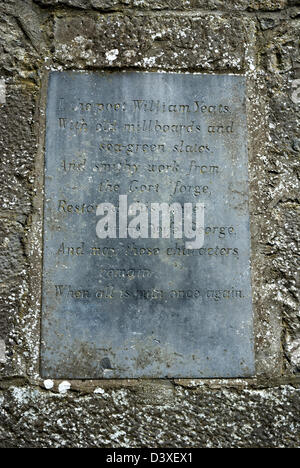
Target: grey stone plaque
point(122, 297)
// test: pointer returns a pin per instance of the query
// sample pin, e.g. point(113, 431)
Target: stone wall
point(259, 39)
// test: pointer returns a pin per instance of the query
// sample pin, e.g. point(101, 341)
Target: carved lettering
point(146, 227)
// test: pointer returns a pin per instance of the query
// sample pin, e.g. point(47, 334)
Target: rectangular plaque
point(146, 265)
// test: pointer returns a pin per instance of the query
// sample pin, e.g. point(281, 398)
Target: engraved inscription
point(120, 280)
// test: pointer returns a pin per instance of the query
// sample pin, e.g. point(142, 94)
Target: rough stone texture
point(160, 42)
point(18, 148)
point(264, 5)
point(87, 4)
point(12, 268)
point(279, 54)
point(151, 416)
point(18, 55)
point(257, 38)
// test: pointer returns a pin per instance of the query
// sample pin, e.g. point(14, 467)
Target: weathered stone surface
point(235, 5)
point(262, 43)
point(18, 148)
point(151, 416)
point(87, 4)
point(264, 5)
point(151, 42)
point(11, 250)
point(17, 55)
point(279, 196)
point(2, 351)
point(12, 271)
point(267, 5)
